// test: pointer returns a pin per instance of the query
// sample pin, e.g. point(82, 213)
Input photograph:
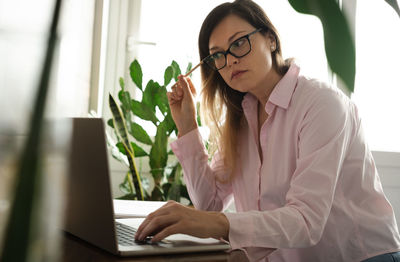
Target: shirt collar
point(282, 93)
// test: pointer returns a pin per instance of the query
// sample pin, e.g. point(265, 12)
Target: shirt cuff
point(188, 144)
point(237, 233)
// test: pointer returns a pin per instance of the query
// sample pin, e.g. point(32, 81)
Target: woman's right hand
point(182, 105)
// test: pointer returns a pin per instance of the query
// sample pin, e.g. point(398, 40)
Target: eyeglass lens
point(239, 48)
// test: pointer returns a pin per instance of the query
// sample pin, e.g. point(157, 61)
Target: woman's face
point(248, 73)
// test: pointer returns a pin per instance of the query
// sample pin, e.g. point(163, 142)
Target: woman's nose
point(230, 60)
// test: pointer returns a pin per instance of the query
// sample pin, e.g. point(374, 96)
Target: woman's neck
point(265, 87)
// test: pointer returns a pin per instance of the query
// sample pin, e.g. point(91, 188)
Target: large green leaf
point(168, 74)
point(395, 5)
point(135, 71)
point(119, 122)
point(158, 152)
point(161, 99)
point(149, 94)
point(110, 123)
point(122, 83)
point(143, 111)
point(121, 147)
point(139, 152)
point(189, 67)
point(169, 124)
point(176, 69)
point(339, 45)
point(140, 134)
point(125, 98)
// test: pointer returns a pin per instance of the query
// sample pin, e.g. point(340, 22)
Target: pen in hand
point(191, 71)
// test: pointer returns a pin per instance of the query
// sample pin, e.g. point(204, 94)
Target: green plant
point(153, 108)
point(119, 123)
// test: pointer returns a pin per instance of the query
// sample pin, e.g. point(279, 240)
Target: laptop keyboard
point(126, 236)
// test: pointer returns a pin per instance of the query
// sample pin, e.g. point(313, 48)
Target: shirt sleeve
point(323, 138)
point(205, 182)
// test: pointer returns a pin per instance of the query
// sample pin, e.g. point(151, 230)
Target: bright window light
point(377, 89)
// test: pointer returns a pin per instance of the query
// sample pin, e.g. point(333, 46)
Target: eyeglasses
point(239, 48)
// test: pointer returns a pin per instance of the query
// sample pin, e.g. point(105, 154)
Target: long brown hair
point(221, 105)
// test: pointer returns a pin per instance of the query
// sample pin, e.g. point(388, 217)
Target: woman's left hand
point(174, 218)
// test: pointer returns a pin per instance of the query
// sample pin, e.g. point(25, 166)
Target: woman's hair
point(221, 105)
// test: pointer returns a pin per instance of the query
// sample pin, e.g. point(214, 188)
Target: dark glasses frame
point(209, 60)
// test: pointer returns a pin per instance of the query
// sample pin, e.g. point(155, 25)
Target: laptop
point(90, 211)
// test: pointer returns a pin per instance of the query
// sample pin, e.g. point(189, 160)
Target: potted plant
point(168, 182)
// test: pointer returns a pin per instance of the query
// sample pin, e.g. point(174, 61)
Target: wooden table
point(75, 250)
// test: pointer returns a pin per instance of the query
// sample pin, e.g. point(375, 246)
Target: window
point(22, 32)
point(75, 56)
point(377, 87)
point(23, 41)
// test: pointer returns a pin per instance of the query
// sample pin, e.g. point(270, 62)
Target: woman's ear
point(272, 42)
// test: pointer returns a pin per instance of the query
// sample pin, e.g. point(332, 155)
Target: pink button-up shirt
point(314, 196)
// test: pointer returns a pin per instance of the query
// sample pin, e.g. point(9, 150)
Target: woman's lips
point(237, 73)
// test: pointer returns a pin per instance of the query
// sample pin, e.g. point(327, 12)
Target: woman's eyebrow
point(234, 35)
point(230, 39)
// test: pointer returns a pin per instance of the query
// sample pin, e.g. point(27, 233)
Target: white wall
point(388, 165)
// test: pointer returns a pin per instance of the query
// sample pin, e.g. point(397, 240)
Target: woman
point(289, 149)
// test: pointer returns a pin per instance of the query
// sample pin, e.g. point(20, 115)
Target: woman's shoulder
point(316, 99)
point(312, 91)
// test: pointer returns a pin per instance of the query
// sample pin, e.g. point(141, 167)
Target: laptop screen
point(89, 213)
